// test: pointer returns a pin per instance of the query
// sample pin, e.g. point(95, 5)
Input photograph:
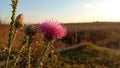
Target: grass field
point(93, 26)
point(100, 33)
point(85, 56)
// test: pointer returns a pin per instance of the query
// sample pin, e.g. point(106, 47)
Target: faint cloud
point(88, 5)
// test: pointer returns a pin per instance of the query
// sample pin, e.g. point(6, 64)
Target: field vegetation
point(88, 55)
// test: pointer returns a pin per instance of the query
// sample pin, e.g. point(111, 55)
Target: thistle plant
point(29, 51)
point(12, 30)
point(51, 30)
point(24, 40)
point(30, 32)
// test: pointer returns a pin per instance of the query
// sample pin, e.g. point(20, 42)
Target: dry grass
point(102, 34)
point(72, 27)
point(106, 33)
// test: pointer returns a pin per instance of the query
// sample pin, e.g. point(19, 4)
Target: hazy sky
point(36, 11)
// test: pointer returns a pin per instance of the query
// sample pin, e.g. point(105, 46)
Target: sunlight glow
point(111, 9)
point(104, 10)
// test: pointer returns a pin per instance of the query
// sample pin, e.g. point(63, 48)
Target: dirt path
point(75, 46)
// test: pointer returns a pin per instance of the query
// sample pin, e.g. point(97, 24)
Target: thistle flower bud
point(14, 1)
point(30, 31)
point(19, 21)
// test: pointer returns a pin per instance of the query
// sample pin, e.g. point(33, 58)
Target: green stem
point(43, 54)
point(29, 51)
point(20, 51)
point(12, 31)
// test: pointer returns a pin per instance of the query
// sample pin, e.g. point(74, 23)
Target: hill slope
point(85, 56)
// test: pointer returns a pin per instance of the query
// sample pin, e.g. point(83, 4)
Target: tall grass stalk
point(12, 30)
point(29, 51)
point(20, 51)
point(43, 54)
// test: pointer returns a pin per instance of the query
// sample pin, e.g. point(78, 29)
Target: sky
point(64, 11)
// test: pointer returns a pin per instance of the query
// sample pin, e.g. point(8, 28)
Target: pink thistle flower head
point(52, 29)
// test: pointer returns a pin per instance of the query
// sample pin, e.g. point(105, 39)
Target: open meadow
point(86, 45)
